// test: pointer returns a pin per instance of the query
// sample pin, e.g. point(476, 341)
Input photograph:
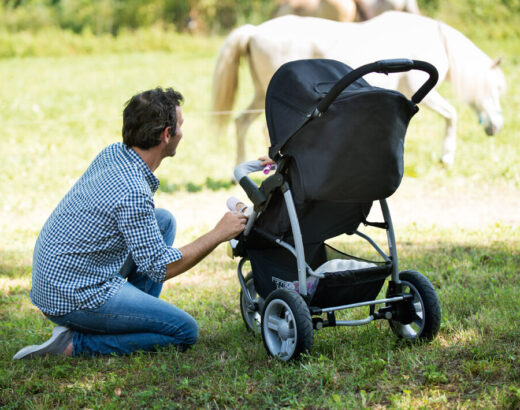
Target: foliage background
point(111, 16)
point(64, 27)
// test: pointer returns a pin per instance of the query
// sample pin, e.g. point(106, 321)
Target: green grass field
point(56, 113)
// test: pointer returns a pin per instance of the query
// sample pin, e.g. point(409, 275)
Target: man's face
point(171, 147)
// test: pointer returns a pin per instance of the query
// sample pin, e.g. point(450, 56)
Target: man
point(107, 229)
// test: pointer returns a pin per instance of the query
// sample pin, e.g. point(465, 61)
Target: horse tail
point(225, 76)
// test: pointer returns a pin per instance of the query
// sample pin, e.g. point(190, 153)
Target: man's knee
point(167, 225)
point(189, 336)
point(191, 332)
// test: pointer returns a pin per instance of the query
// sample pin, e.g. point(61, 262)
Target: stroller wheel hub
point(284, 332)
point(283, 327)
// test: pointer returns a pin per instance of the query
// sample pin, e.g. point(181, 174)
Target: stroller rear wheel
point(427, 320)
point(250, 315)
point(286, 325)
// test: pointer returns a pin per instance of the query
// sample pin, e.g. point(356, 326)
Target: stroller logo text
point(279, 283)
point(312, 284)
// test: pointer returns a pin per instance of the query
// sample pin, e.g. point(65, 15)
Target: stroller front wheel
point(251, 315)
point(286, 325)
point(427, 319)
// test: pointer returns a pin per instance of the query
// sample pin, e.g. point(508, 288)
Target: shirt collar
point(152, 180)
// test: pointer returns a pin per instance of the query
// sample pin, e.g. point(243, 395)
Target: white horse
point(343, 10)
point(368, 9)
point(339, 10)
point(474, 76)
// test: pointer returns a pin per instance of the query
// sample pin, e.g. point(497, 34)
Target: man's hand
point(231, 224)
point(266, 160)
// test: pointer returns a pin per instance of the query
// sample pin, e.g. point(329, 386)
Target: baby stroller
point(338, 144)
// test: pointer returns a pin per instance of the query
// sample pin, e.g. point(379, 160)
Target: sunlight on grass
point(460, 338)
point(8, 286)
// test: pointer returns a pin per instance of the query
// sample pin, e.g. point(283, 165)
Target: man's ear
point(165, 134)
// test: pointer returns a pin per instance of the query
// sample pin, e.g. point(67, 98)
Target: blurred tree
point(177, 12)
point(428, 7)
point(110, 16)
point(79, 15)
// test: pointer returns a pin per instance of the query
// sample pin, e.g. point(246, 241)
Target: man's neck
point(151, 157)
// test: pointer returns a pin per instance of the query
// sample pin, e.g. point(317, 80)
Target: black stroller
point(338, 144)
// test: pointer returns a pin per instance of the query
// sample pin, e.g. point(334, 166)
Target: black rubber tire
point(425, 299)
point(290, 309)
point(243, 306)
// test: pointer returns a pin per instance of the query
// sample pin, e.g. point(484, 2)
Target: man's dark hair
point(147, 114)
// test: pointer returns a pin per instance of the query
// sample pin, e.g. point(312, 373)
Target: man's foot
point(57, 344)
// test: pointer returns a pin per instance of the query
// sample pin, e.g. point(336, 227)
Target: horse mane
point(468, 65)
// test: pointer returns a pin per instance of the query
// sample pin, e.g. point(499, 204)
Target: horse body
point(339, 10)
point(368, 9)
point(343, 10)
point(390, 35)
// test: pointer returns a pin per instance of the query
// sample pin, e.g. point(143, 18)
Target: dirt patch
point(461, 204)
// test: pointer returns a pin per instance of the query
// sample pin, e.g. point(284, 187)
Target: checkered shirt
point(108, 213)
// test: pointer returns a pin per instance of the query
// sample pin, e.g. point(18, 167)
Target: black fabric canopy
point(294, 92)
point(351, 153)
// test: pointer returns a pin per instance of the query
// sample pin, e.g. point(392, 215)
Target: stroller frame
point(304, 268)
point(286, 319)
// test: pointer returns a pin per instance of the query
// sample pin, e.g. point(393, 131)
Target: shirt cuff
point(170, 255)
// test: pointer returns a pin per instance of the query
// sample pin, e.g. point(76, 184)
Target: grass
point(474, 362)
point(58, 112)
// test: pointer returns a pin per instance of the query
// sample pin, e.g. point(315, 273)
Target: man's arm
point(231, 224)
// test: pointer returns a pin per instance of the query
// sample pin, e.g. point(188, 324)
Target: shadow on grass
point(464, 264)
point(477, 349)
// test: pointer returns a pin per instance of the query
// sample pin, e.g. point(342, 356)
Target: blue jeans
point(134, 318)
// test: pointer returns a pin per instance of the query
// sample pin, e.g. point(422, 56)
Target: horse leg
point(412, 7)
point(243, 122)
point(435, 102)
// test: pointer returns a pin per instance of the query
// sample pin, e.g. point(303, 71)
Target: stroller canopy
point(353, 152)
point(294, 92)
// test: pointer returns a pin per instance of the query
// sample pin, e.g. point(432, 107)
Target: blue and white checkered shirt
point(108, 213)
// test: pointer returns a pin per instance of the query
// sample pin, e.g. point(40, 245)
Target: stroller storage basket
point(275, 268)
point(349, 286)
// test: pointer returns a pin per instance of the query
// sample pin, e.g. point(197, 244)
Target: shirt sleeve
point(135, 216)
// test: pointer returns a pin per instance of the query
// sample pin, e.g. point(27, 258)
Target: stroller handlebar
point(251, 189)
point(247, 168)
point(396, 65)
point(384, 67)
